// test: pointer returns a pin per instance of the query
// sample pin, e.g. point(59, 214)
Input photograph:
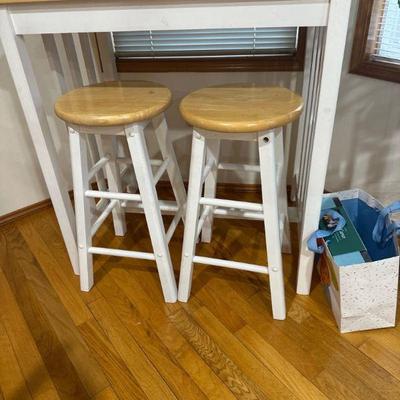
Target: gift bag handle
point(382, 233)
point(321, 233)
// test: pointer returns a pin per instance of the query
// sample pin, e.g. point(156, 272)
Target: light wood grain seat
point(240, 108)
point(113, 103)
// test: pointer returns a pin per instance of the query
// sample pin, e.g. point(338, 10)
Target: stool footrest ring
point(102, 217)
point(121, 253)
point(239, 167)
point(218, 262)
point(241, 205)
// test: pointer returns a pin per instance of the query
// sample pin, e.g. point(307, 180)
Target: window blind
point(205, 43)
point(387, 39)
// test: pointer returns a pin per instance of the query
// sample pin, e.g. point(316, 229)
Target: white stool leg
point(123, 151)
point(282, 193)
point(167, 151)
point(210, 186)
point(80, 177)
point(271, 222)
point(192, 215)
point(114, 184)
point(145, 180)
point(94, 155)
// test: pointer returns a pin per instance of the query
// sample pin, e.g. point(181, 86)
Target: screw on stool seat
point(249, 113)
point(111, 110)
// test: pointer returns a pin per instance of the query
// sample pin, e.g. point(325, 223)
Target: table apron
point(88, 16)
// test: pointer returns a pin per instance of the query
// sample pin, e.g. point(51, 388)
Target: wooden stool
point(111, 109)
point(238, 112)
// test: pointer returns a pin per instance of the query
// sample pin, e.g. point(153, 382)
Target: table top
point(188, 1)
point(27, 1)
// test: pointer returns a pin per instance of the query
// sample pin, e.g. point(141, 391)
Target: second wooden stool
point(238, 112)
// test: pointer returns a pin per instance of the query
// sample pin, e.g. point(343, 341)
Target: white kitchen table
point(328, 20)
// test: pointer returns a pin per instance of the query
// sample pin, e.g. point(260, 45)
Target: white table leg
point(29, 96)
point(329, 89)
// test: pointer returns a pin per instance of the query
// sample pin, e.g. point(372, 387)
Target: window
point(253, 49)
point(376, 45)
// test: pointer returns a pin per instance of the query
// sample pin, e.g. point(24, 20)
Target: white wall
point(21, 181)
point(365, 150)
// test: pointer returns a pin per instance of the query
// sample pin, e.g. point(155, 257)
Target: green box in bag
point(345, 246)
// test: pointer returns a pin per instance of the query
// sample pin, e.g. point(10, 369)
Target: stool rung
point(101, 204)
point(99, 164)
point(124, 171)
point(113, 195)
point(128, 160)
point(239, 167)
point(207, 170)
point(174, 223)
point(244, 205)
point(166, 206)
point(121, 253)
point(207, 210)
point(102, 217)
point(218, 262)
point(239, 214)
point(161, 170)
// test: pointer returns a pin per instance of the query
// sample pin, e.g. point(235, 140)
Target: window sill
point(377, 69)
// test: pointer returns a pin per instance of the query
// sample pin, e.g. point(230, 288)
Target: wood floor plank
point(383, 356)
point(333, 387)
point(341, 351)
point(268, 383)
point(271, 331)
point(32, 365)
point(201, 373)
point(282, 369)
point(121, 379)
point(106, 394)
point(45, 223)
point(284, 336)
point(40, 307)
point(141, 368)
point(57, 276)
point(86, 367)
point(177, 378)
point(12, 382)
point(221, 364)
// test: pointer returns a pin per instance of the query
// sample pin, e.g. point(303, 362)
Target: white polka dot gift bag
point(359, 259)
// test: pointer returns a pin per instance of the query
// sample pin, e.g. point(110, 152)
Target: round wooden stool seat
point(240, 108)
point(113, 103)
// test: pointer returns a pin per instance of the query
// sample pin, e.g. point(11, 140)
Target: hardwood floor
point(121, 341)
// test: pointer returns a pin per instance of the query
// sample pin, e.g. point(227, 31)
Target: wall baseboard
point(25, 211)
point(41, 205)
